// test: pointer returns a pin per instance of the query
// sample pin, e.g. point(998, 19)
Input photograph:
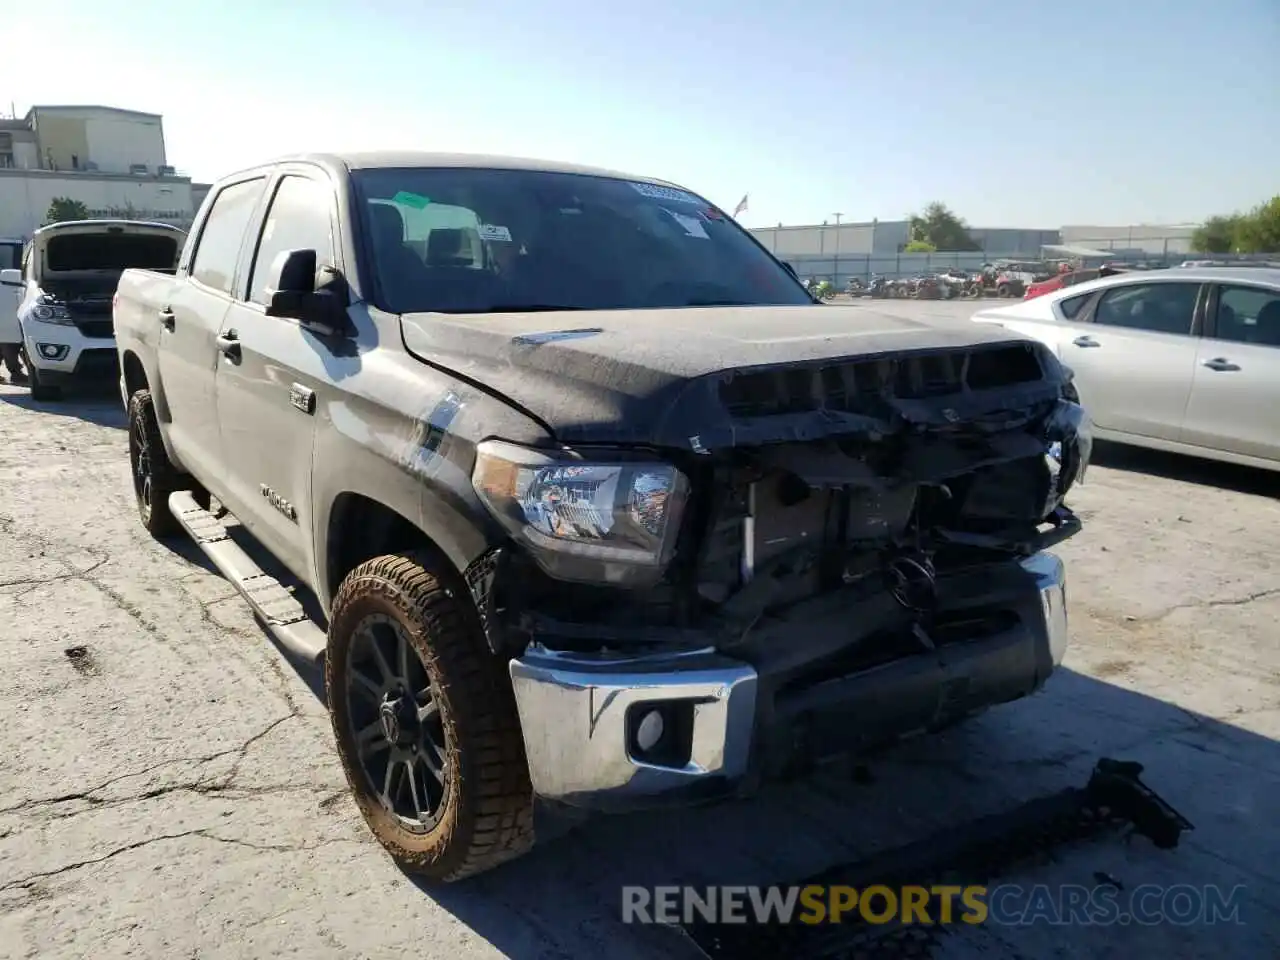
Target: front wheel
point(426, 723)
point(41, 392)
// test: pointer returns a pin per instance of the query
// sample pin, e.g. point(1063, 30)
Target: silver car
point(1184, 360)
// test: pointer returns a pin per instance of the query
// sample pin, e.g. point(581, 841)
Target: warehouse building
point(887, 237)
point(838, 252)
point(111, 160)
point(1154, 239)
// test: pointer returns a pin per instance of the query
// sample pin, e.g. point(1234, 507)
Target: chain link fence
point(839, 270)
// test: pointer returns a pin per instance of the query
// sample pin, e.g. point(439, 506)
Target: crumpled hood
point(653, 376)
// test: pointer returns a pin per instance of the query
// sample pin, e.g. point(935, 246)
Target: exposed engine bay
point(944, 468)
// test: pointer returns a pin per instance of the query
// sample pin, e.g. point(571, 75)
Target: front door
point(271, 373)
point(12, 257)
point(189, 325)
point(1134, 359)
point(1235, 395)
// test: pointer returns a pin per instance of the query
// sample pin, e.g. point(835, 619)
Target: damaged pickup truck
point(600, 508)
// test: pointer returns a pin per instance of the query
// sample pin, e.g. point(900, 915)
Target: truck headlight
point(611, 518)
point(51, 313)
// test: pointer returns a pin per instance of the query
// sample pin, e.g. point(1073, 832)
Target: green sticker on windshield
point(407, 199)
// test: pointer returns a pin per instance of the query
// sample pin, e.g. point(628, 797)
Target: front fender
point(409, 445)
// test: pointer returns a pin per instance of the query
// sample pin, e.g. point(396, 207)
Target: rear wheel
point(154, 477)
point(426, 723)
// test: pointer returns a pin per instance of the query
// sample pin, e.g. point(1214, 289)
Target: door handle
point(1220, 363)
point(229, 344)
point(166, 318)
point(1086, 341)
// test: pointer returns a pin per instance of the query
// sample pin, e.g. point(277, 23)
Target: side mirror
point(11, 278)
point(316, 298)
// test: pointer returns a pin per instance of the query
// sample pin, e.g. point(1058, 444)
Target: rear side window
point(1155, 307)
point(1072, 306)
point(297, 220)
point(218, 249)
point(1249, 315)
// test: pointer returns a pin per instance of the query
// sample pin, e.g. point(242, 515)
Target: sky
point(1035, 114)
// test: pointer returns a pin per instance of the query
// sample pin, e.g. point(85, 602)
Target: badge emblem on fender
point(280, 503)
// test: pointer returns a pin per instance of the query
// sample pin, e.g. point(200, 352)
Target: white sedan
point(1184, 360)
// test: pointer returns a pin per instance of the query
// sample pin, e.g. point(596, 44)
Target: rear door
point(1235, 393)
point(271, 373)
point(189, 325)
point(1134, 357)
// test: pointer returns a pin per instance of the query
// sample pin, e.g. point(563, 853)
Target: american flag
point(742, 205)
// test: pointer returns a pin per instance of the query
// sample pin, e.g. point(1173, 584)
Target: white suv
point(63, 294)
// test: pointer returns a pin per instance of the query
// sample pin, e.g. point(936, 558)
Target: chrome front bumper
point(579, 712)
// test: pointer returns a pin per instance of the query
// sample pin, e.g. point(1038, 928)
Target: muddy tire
point(1004, 291)
point(426, 723)
point(154, 477)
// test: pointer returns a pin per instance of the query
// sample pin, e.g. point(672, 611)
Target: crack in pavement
point(223, 782)
point(56, 552)
point(202, 833)
point(41, 581)
point(1228, 602)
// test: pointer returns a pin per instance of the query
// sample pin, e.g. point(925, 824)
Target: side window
point(218, 248)
point(1248, 315)
point(1157, 307)
point(1072, 306)
point(297, 220)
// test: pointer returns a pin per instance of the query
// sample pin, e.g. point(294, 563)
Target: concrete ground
point(169, 787)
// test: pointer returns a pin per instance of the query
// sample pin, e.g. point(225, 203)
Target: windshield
point(110, 252)
point(462, 240)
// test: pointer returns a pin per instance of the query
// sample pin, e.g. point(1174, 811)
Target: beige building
point(1156, 239)
point(111, 160)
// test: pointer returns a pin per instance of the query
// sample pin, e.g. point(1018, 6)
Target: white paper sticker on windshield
point(669, 194)
point(692, 225)
point(491, 231)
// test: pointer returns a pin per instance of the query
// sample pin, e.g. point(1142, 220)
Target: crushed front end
point(845, 552)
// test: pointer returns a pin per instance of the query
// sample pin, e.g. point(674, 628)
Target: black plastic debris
point(82, 659)
point(972, 853)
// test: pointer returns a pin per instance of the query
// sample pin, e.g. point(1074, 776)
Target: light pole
point(835, 280)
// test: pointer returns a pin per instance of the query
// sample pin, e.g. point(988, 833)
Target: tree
point(938, 226)
point(1216, 235)
point(919, 246)
point(64, 208)
point(1257, 231)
